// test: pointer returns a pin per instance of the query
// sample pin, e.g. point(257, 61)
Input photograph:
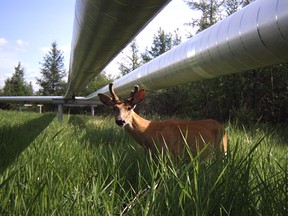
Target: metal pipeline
point(254, 37)
point(102, 28)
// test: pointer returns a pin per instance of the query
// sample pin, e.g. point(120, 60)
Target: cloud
point(3, 41)
point(22, 43)
point(21, 46)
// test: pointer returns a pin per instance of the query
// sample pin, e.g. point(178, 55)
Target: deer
point(171, 135)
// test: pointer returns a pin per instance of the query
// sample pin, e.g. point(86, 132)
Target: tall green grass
point(88, 166)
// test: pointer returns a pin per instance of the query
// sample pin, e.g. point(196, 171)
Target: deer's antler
point(133, 92)
point(114, 96)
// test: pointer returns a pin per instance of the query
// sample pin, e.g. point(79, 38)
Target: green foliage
point(16, 85)
point(11, 146)
point(53, 72)
point(88, 166)
point(213, 10)
point(132, 61)
point(165, 102)
point(210, 13)
point(162, 42)
point(248, 97)
point(231, 6)
point(98, 82)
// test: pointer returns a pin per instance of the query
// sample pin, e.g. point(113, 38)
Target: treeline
point(257, 95)
point(52, 81)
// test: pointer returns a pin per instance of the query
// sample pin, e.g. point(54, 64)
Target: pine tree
point(232, 6)
point(16, 85)
point(162, 42)
point(132, 61)
point(53, 72)
point(210, 10)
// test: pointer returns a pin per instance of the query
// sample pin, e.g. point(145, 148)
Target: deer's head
point(123, 110)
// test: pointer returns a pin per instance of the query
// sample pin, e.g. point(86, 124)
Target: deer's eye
point(129, 108)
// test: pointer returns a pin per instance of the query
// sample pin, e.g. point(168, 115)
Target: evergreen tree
point(132, 61)
point(232, 6)
point(16, 85)
point(210, 13)
point(162, 42)
point(53, 72)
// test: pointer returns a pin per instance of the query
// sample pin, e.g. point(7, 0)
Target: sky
point(29, 27)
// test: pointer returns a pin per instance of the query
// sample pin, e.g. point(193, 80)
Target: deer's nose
point(120, 122)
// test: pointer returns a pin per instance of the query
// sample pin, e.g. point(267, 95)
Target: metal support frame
point(60, 112)
point(92, 110)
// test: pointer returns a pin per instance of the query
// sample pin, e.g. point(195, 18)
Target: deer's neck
point(138, 130)
point(138, 124)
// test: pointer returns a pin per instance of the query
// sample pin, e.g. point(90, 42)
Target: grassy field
point(88, 166)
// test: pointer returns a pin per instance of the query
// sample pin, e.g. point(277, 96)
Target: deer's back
point(175, 133)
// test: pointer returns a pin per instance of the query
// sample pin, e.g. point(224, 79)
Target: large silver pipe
point(101, 29)
point(254, 37)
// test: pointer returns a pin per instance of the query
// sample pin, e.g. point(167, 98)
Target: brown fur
point(170, 134)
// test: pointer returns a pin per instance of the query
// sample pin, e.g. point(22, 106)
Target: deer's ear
point(138, 97)
point(105, 99)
